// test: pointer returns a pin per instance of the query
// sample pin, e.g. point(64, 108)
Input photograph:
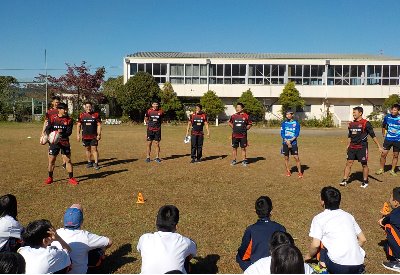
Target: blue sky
point(103, 32)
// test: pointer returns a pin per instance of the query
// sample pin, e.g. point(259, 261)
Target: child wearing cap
point(391, 224)
point(166, 250)
point(82, 242)
point(40, 254)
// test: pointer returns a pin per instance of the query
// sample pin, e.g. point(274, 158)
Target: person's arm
point(78, 130)
point(313, 249)
point(283, 131)
point(207, 128)
point(370, 131)
point(384, 221)
point(46, 120)
point(188, 125)
point(249, 123)
point(361, 239)
point(297, 131)
point(244, 252)
point(55, 237)
point(68, 130)
point(384, 126)
point(98, 130)
point(146, 117)
point(48, 127)
point(230, 123)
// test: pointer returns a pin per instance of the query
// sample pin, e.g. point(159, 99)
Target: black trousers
point(197, 146)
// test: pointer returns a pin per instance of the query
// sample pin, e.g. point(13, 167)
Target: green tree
point(290, 98)
point(7, 95)
point(137, 94)
point(392, 99)
point(252, 105)
point(212, 104)
point(170, 102)
point(112, 88)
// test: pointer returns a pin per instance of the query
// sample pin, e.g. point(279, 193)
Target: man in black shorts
point(153, 119)
point(63, 124)
point(357, 148)
point(240, 123)
point(90, 124)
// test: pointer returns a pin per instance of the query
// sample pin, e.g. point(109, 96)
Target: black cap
point(62, 106)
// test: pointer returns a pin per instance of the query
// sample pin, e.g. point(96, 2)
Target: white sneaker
point(364, 185)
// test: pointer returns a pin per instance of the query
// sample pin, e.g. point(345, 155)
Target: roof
point(260, 55)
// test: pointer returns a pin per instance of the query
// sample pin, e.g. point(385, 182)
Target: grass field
point(216, 200)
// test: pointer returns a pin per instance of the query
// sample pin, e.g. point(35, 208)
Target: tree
point(290, 98)
point(252, 105)
point(388, 103)
point(212, 104)
point(170, 102)
point(137, 94)
point(7, 95)
point(78, 84)
point(112, 88)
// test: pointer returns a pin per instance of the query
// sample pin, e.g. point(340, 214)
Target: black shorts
point(90, 142)
point(294, 151)
point(153, 135)
point(54, 149)
point(388, 144)
point(239, 141)
point(358, 154)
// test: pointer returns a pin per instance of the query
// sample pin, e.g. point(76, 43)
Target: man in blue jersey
point(391, 132)
point(290, 131)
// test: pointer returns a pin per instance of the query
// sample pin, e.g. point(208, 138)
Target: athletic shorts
point(54, 149)
point(358, 154)
point(90, 142)
point(153, 135)
point(239, 141)
point(294, 151)
point(388, 144)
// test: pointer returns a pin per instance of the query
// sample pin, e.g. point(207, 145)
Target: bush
point(274, 123)
point(376, 123)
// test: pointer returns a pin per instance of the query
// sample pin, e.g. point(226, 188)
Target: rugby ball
point(44, 139)
point(187, 139)
point(54, 137)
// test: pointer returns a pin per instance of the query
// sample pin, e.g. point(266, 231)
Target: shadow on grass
point(303, 168)
point(206, 265)
point(359, 176)
point(175, 156)
point(256, 159)
point(100, 175)
point(214, 157)
point(115, 261)
point(120, 161)
point(100, 161)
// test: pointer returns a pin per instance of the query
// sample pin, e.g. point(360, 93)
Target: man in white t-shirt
point(81, 241)
point(166, 250)
point(10, 228)
point(39, 255)
point(337, 235)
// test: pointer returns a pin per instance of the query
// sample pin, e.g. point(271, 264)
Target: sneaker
point(198, 160)
point(233, 162)
point(89, 165)
point(393, 173)
point(49, 180)
point(158, 160)
point(147, 160)
point(300, 175)
point(288, 174)
point(380, 172)
point(73, 181)
point(364, 185)
point(64, 166)
point(245, 162)
point(193, 161)
point(394, 266)
point(96, 166)
point(343, 183)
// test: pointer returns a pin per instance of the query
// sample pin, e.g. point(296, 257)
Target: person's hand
point(98, 137)
point(53, 236)
point(208, 135)
point(380, 222)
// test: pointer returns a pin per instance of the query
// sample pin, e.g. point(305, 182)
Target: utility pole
point(45, 64)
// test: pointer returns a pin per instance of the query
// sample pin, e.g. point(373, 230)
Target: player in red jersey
point(89, 123)
point(153, 119)
point(197, 122)
point(63, 124)
point(357, 148)
point(240, 124)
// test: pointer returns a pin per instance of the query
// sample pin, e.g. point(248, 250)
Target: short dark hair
point(35, 232)
point(8, 206)
point(167, 218)
point(199, 105)
point(12, 263)
point(287, 259)
point(396, 105)
point(56, 97)
point(240, 104)
point(279, 238)
point(396, 194)
point(358, 108)
point(87, 102)
point(155, 101)
point(263, 207)
point(331, 197)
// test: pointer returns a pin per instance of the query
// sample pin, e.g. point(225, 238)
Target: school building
point(340, 81)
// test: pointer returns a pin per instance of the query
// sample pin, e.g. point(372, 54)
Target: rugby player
point(240, 123)
point(153, 119)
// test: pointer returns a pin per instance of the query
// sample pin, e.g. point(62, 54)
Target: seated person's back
point(10, 228)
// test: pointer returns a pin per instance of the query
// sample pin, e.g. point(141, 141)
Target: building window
point(133, 68)
point(177, 69)
point(304, 109)
point(176, 80)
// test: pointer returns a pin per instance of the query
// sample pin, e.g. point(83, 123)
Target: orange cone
point(140, 198)
point(386, 209)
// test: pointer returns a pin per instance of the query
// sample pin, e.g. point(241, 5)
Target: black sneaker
point(245, 162)
point(193, 161)
point(233, 162)
point(89, 165)
point(148, 160)
point(198, 160)
point(64, 166)
point(158, 160)
point(96, 166)
point(364, 185)
point(394, 266)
